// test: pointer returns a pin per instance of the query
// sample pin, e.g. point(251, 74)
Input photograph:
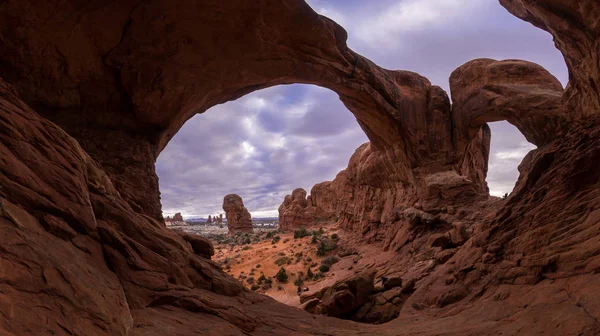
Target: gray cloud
point(269, 142)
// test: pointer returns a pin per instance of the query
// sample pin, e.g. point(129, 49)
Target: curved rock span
point(87, 104)
point(238, 217)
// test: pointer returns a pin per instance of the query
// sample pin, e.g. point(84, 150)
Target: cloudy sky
point(267, 143)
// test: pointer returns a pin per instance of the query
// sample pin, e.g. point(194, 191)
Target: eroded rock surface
point(238, 217)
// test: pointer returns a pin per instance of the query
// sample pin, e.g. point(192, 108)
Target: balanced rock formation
point(87, 105)
point(299, 210)
point(238, 217)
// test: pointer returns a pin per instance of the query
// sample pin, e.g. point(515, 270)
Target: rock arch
point(118, 87)
point(150, 72)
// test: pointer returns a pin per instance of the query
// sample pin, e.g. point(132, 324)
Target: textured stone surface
point(238, 217)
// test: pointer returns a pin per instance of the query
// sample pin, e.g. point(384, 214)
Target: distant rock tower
point(209, 219)
point(178, 217)
point(220, 218)
point(238, 217)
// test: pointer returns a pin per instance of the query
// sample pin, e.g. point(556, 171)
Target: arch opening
point(507, 150)
point(260, 146)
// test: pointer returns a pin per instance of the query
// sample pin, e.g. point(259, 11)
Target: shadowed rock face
point(238, 217)
point(101, 89)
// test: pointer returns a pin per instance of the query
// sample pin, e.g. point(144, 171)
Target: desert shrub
point(246, 248)
point(301, 233)
point(282, 261)
point(335, 236)
point(298, 282)
point(286, 240)
point(250, 280)
point(329, 261)
point(258, 266)
point(309, 273)
point(321, 230)
point(261, 278)
point(326, 245)
point(275, 240)
point(255, 287)
point(324, 268)
point(281, 276)
point(247, 241)
point(314, 240)
point(270, 235)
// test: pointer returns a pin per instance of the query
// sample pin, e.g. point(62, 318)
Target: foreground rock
point(78, 183)
point(238, 217)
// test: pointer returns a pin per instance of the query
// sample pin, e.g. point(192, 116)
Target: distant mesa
point(238, 217)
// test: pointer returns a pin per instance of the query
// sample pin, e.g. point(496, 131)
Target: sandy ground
point(253, 260)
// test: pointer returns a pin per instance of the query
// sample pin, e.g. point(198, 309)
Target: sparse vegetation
point(281, 276)
point(298, 282)
point(326, 245)
point(301, 233)
point(282, 261)
point(323, 268)
point(329, 261)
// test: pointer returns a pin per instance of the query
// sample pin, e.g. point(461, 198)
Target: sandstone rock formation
point(299, 210)
point(92, 102)
point(220, 218)
point(238, 217)
point(178, 217)
point(209, 221)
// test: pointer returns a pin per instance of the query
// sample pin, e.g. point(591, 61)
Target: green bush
point(261, 278)
point(326, 245)
point(301, 233)
point(335, 236)
point(275, 240)
point(329, 261)
point(281, 276)
point(324, 268)
point(270, 234)
point(282, 261)
point(309, 274)
point(298, 282)
point(255, 287)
